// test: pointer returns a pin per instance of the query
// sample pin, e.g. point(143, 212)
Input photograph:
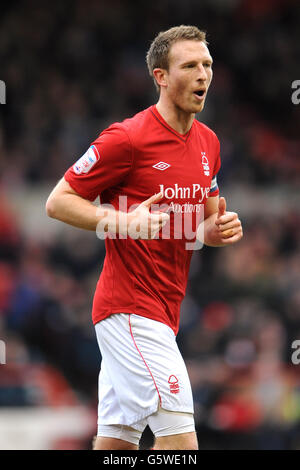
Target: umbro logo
point(161, 166)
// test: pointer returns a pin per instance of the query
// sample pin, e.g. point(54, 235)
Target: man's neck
point(176, 118)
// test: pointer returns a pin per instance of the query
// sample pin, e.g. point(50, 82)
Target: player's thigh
point(117, 437)
point(111, 443)
point(186, 441)
point(173, 430)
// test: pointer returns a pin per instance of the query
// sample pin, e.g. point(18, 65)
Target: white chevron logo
point(161, 166)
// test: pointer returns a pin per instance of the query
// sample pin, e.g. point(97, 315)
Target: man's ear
point(160, 76)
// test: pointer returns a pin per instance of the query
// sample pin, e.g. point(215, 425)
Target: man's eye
point(189, 66)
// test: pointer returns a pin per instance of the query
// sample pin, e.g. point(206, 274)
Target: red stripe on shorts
point(143, 359)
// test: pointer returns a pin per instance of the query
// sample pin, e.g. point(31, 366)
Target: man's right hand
point(143, 224)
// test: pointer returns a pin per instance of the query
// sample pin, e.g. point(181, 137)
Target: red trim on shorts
point(143, 359)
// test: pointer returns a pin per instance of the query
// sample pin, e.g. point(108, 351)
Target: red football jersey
point(135, 159)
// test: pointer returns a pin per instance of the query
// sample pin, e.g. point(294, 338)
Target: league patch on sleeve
point(87, 161)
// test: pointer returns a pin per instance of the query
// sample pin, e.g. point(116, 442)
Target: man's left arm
point(221, 228)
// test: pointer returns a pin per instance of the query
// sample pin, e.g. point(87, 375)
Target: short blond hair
point(158, 53)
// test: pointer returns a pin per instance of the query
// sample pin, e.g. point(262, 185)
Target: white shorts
point(142, 370)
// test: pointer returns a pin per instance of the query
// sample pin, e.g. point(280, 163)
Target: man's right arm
point(68, 206)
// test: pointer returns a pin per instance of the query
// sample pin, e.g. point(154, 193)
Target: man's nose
point(202, 75)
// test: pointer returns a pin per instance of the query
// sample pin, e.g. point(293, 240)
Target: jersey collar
point(160, 119)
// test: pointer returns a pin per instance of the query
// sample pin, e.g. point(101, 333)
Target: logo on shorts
point(174, 385)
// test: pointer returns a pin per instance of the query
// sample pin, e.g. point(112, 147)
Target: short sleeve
point(214, 188)
point(105, 164)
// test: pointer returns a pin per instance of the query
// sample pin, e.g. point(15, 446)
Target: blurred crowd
point(71, 68)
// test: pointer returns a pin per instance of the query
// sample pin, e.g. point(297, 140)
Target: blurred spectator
point(70, 71)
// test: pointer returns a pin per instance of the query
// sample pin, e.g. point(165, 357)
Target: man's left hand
point(228, 225)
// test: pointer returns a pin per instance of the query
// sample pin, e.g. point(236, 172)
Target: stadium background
point(73, 67)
